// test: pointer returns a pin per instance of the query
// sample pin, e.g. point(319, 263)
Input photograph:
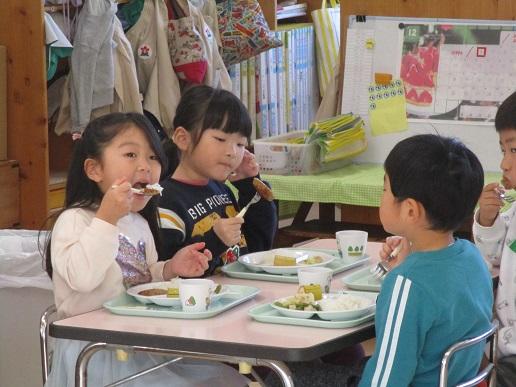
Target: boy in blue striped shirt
point(440, 291)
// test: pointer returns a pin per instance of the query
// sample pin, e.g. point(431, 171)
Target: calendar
point(457, 72)
point(453, 71)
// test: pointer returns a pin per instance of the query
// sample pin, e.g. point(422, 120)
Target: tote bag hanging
point(327, 32)
point(185, 43)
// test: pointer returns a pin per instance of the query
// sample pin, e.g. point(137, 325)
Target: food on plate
point(173, 288)
point(173, 292)
point(152, 292)
point(282, 260)
point(301, 301)
point(344, 302)
point(218, 288)
point(311, 260)
point(315, 289)
point(262, 188)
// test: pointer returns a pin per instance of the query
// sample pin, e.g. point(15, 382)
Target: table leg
point(302, 213)
point(281, 369)
point(81, 366)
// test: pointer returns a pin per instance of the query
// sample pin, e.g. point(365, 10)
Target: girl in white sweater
point(104, 241)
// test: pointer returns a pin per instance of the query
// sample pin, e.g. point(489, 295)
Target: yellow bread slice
point(315, 289)
point(173, 292)
point(281, 260)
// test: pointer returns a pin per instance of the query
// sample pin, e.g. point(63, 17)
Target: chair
point(43, 334)
point(487, 373)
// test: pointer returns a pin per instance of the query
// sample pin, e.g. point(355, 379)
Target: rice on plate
point(345, 306)
point(341, 302)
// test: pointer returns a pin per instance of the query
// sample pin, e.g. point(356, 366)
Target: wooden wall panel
point(269, 11)
point(454, 9)
point(311, 5)
point(21, 31)
point(9, 194)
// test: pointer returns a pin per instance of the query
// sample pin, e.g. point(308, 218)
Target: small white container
point(195, 294)
point(316, 276)
point(351, 243)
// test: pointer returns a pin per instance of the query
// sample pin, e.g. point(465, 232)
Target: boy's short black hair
point(439, 172)
point(506, 114)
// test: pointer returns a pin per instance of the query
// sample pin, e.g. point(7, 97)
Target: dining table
point(231, 336)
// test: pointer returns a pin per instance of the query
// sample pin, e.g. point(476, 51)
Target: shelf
point(291, 11)
point(269, 8)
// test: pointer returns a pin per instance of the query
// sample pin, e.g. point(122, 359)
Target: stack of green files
point(338, 137)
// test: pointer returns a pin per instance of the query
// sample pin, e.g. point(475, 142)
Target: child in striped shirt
point(440, 292)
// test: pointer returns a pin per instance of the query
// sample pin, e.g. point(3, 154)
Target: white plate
point(291, 312)
point(368, 305)
point(163, 300)
point(338, 315)
point(264, 260)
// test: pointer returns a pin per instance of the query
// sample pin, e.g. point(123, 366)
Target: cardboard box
point(9, 194)
point(3, 103)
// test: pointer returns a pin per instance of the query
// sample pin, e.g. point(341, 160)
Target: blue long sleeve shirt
point(429, 302)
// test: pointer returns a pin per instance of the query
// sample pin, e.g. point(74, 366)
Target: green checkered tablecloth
point(355, 184)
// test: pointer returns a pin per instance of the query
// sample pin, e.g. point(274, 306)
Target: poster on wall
point(457, 72)
point(453, 71)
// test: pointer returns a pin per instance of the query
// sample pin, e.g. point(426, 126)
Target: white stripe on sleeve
point(397, 328)
point(391, 331)
point(387, 331)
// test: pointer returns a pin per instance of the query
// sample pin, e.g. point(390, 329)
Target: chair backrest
point(43, 342)
point(487, 373)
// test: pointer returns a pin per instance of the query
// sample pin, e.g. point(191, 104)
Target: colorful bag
point(327, 32)
point(243, 30)
point(185, 44)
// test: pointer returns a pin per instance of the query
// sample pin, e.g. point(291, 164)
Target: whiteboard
point(448, 114)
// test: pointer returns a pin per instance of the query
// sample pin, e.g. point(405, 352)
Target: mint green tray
point(127, 305)
point(267, 314)
point(362, 280)
point(338, 265)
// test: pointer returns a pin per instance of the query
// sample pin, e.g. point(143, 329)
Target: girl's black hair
point(203, 107)
point(439, 172)
point(81, 192)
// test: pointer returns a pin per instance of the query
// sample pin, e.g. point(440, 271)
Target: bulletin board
point(470, 119)
point(455, 71)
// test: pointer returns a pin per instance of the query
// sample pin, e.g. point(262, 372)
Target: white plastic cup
point(351, 243)
point(315, 276)
point(195, 294)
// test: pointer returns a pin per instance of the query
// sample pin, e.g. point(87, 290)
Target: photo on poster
point(457, 72)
